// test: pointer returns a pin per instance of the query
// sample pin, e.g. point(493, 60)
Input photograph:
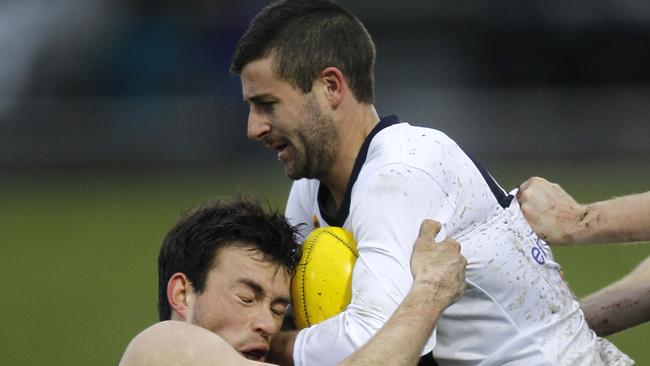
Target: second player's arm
point(557, 218)
point(439, 279)
point(621, 305)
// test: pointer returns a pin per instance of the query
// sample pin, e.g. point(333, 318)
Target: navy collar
point(323, 192)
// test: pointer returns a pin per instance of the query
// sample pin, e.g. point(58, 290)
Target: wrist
point(584, 226)
point(435, 294)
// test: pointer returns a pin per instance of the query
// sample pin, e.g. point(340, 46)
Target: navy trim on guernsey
point(498, 192)
point(342, 213)
point(344, 210)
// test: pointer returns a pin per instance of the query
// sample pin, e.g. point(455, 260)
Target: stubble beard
point(317, 146)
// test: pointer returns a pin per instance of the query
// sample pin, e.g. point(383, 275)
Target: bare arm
point(621, 305)
point(557, 218)
point(439, 279)
point(172, 343)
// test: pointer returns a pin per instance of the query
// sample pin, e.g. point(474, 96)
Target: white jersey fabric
point(516, 309)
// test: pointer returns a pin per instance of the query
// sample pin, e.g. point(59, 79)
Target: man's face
point(289, 121)
point(244, 300)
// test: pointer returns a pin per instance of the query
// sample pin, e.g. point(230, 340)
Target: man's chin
point(293, 173)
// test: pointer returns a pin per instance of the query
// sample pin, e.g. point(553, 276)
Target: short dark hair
point(306, 36)
point(193, 243)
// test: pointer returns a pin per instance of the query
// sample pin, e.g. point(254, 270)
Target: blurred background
point(116, 115)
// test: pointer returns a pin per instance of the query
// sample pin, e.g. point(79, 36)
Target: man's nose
point(258, 125)
point(266, 323)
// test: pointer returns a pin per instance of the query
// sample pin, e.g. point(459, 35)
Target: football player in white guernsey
point(306, 69)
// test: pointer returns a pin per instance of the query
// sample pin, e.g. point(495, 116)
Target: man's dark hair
point(306, 36)
point(194, 242)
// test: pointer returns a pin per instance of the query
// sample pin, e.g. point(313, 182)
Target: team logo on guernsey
point(540, 250)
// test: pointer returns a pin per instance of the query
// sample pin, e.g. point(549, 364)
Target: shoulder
point(174, 330)
point(406, 134)
point(391, 178)
point(419, 147)
point(174, 342)
point(302, 202)
point(396, 192)
point(304, 186)
point(303, 192)
point(405, 157)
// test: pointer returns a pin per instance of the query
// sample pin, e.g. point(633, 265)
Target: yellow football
point(322, 284)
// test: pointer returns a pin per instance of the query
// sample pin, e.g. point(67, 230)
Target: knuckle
point(431, 225)
point(451, 242)
point(522, 194)
point(455, 245)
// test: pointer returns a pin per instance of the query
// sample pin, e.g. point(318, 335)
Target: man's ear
point(181, 296)
point(335, 85)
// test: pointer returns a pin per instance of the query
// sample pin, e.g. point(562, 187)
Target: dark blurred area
point(92, 83)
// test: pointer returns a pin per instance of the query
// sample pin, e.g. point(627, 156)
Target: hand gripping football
point(322, 284)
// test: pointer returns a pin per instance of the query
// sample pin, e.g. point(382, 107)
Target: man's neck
point(353, 130)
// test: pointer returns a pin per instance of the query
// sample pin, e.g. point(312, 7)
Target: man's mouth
point(276, 144)
point(256, 353)
point(282, 149)
point(280, 145)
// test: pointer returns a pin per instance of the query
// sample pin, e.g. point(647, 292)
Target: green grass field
point(80, 249)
